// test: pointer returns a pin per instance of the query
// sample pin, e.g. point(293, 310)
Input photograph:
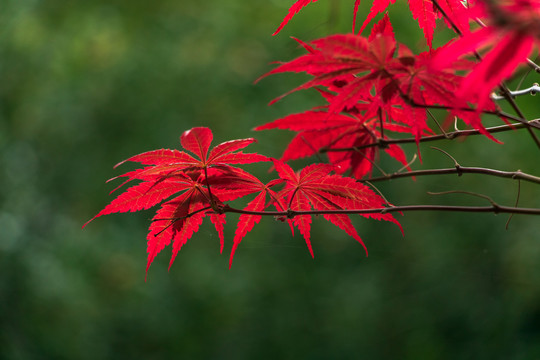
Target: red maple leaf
point(204, 180)
point(349, 64)
point(258, 204)
point(510, 28)
point(315, 188)
point(377, 77)
point(345, 138)
point(293, 10)
point(424, 11)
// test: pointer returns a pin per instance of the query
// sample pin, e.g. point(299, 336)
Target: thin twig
point(449, 208)
point(436, 122)
point(492, 202)
point(450, 21)
point(517, 202)
point(455, 125)
point(379, 192)
point(512, 102)
point(409, 163)
point(500, 113)
point(533, 90)
point(462, 170)
point(450, 135)
point(456, 164)
point(533, 65)
point(312, 149)
point(518, 86)
point(361, 153)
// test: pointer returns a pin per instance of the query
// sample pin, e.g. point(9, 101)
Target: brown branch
point(459, 170)
point(512, 102)
point(533, 65)
point(533, 90)
point(499, 113)
point(494, 208)
point(449, 136)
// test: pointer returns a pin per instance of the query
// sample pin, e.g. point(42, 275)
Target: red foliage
point(173, 171)
point(374, 87)
point(294, 9)
point(379, 83)
point(510, 28)
point(323, 131)
point(423, 11)
point(208, 181)
point(314, 188)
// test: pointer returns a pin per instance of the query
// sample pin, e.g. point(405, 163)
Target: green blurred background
point(85, 84)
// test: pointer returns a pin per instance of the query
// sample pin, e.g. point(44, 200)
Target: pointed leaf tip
point(197, 140)
point(293, 10)
point(311, 251)
point(382, 27)
point(86, 223)
point(235, 245)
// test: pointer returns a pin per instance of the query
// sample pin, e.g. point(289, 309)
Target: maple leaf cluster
point(373, 88)
point(510, 27)
point(193, 186)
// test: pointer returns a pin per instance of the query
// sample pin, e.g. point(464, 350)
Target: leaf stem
point(212, 202)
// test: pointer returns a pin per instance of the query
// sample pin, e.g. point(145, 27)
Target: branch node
point(221, 208)
point(290, 214)
point(382, 144)
point(456, 164)
point(535, 89)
